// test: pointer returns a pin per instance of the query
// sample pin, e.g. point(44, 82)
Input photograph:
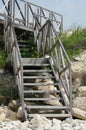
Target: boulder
point(3, 109)
point(14, 105)
point(51, 87)
point(25, 125)
point(79, 113)
point(80, 102)
point(76, 78)
point(54, 100)
point(1, 70)
point(2, 117)
point(11, 115)
point(81, 91)
point(39, 122)
point(19, 113)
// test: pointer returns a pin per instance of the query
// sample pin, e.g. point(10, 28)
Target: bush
point(74, 40)
point(3, 61)
point(7, 94)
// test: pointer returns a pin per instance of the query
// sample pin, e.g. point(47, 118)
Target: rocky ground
point(42, 123)
point(10, 109)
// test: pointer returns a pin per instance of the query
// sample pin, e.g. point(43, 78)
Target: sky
point(73, 11)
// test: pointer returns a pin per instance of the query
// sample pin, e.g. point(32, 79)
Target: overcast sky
point(73, 11)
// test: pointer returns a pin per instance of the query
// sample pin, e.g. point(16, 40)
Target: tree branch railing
point(25, 16)
point(50, 44)
point(14, 56)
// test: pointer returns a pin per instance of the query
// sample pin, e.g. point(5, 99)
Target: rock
point(19, 113)
point(2, 117)
point(25, 125)
point(67, 126)
point(79, 70)
point(81, 91)
point(3, 109)
point(3, 100)
point(80, 102)
point(76, 78)
point(40, 122)
point(51, 87)
point(14, 105)
point(56, 124)
point(79, 113)
point(11, 115)
point(53, 128)
point(53, 102)
point(1, 71)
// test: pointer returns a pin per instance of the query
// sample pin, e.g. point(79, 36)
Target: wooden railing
point(23, 13)
point(49, 43)
point(14, 56)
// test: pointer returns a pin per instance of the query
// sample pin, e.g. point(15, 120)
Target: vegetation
point(8, 93)
point(74, 40)
point(3, 61)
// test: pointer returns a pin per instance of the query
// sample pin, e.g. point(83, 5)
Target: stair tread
point(37, 71)
point(40, 99)
point(51, 115)
point(35, 64)
point(35, 61)
point(38, 77)
point(47, 107)
point(41, 91)
point(38, 84)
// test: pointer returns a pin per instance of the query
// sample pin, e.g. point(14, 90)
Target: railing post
point(25, 10)
point(13, 11)
point(61, 25)
point(9, 8)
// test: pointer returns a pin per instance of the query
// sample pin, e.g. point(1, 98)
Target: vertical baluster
point(13, 11)
point(25, 13)
point(40, 17)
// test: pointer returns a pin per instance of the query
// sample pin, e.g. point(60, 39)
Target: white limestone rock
point(81, 91)
point(25, 125)
point(79, 113)
point(19, 113)
point(2, 117)
point(40, 122)
point(80, 103)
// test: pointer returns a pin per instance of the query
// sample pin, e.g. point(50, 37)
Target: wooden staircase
point(41, 89)
point(40, 63)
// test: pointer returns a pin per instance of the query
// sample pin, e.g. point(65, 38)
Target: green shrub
point(75, 42)
point(7, 94)
point(2, 59)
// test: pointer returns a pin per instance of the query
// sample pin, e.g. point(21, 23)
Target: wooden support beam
point(18, 69)
point(14, 45)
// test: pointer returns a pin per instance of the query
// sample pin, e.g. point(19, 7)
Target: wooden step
point(48, 107)
point(41, 99)
point(39, 84)
point(37, 71)
point(38, 77)
point(41, 91)
point(35, 61)
point(51, 115)
point(44, 65)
